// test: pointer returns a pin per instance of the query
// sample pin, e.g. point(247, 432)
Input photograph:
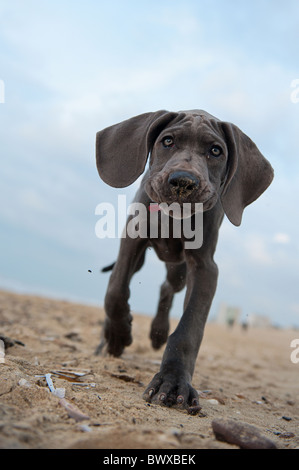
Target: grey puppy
point(194, 158)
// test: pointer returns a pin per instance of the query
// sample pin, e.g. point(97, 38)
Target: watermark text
point(154, 221)
point(295, 354)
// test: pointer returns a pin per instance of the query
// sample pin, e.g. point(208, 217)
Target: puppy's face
point(188, 163)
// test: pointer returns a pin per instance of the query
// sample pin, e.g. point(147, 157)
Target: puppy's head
point(194, 158)
point(188, 162)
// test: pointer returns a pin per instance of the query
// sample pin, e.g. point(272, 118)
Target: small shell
point(73, 411)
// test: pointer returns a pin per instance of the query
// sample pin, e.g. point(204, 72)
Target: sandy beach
point(246, 376)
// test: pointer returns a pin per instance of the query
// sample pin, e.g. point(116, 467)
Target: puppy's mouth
point(180, 211)
point(180, 205)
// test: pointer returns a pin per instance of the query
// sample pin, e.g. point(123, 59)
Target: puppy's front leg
point(116, 333)
point(172, 384)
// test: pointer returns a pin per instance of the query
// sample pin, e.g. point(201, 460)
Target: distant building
point(228, 315)
point(258, 321)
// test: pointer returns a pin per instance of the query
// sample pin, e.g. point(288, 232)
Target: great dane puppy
point(194, 158)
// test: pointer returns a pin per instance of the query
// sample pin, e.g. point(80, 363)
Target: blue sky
point(71, 68)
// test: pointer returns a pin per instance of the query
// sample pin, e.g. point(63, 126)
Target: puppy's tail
point(108, 268)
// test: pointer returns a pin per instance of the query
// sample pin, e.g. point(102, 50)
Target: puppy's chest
point(168, 250)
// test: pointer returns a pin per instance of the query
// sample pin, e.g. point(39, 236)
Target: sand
point(247, 376)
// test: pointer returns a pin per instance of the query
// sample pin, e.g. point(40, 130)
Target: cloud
point(281, 238)
point(257, 250)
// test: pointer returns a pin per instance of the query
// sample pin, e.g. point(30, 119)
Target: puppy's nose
point(182, 183)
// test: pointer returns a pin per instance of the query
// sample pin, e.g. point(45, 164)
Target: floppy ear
point(249, 173)
point(122, 149)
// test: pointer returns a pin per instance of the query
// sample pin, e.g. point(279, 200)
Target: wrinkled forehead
point(201, 127)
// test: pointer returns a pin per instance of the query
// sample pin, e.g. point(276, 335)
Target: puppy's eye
point(216, 151)
point(168, 142)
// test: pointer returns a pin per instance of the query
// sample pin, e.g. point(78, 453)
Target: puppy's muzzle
point(182, 183)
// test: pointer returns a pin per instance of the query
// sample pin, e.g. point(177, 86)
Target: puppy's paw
point(172, 390)
point(115, 337)
point(159, 333)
